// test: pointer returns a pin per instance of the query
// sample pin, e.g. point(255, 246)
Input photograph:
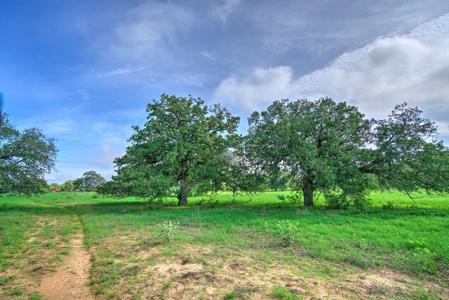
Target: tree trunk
point(307, 189)
point(182, 195)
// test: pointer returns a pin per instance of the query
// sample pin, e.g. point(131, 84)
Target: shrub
point(291, 198)
point(388, 205)
point(287, 232)
point(167, 230)
point(342, 200)
point(336, 201)
point(154, 203)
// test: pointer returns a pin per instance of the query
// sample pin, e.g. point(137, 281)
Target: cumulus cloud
point(413, 67)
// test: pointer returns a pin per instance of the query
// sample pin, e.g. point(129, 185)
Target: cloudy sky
point(83, 70)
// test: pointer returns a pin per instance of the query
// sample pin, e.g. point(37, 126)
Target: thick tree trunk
point(182, 195)
point(307, 189)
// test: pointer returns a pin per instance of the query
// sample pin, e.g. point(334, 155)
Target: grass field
point(257, 247)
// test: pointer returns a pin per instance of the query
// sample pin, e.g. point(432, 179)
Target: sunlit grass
point(395, 232)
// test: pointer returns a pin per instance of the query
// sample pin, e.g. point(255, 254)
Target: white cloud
point(413, 67)
point(121, 71)
point(93, 142)
point(71, 171)
point(105, 157)
point(258, 88)
point(148, 26)
point(225, 9)
point(208, 55)
point(443, 128)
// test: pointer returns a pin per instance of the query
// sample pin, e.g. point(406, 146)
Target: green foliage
point(167, 230)
point(342, 199)
point(332, 148)
point(4, 280)
point(238, 176)
point(388, 205)
point(89, 182)
point(25, 157)
point(180, 147)
point(406, 157)
point(54, 186)
point(280, 292)
point(291, 198)
point(67, 186)
point(287, 232)
point(230, 296)
point(315, 143)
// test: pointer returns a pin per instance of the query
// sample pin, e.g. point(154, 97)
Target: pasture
point(256, 247)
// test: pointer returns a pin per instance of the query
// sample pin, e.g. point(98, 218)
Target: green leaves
point(317, 145)
point(89, 182)
point(316, 142)
point(332, 147)
point(180, 146)
point(25, 157)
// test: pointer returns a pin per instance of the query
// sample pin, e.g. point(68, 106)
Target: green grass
point(409, 236)
point(282, 293)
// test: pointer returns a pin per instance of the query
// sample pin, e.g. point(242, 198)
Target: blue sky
point(82, 71)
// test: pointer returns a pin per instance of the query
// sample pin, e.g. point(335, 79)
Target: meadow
point(252, 247)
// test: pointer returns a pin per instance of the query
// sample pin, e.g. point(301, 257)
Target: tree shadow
point(249, 210)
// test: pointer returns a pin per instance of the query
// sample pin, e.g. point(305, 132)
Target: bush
point(342, 200)
point(154, 203)
point(291, 198)
point(336, 201)
point(211, 201)
point(287, 232)
point(388, 205)
point(167, 230)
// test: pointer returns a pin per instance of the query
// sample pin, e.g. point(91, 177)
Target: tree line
point(88, 182)
point(323, 146)
point(187, 147)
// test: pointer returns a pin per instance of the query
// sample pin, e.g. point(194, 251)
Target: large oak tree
point(331, 147)
point(181, 145)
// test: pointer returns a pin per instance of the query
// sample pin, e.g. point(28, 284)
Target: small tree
point(331, 147)
point(25, 157)
point(179, 147)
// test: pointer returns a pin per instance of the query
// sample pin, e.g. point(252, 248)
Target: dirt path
point(70, 280)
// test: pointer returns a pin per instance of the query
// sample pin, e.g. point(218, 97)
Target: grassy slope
point(411, 238)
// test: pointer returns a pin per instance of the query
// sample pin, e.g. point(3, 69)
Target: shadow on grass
point(249, 210)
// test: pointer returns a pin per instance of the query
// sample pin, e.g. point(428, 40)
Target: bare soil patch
point(71, 278)
point(150, 269)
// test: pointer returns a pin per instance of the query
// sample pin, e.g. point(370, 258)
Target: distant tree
point(239, 176)
point(68, 186)
point(78, 184)
point(331, 147)
point(89, 182)
point(180, 146)
point(25, 157)
point(54, 186)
